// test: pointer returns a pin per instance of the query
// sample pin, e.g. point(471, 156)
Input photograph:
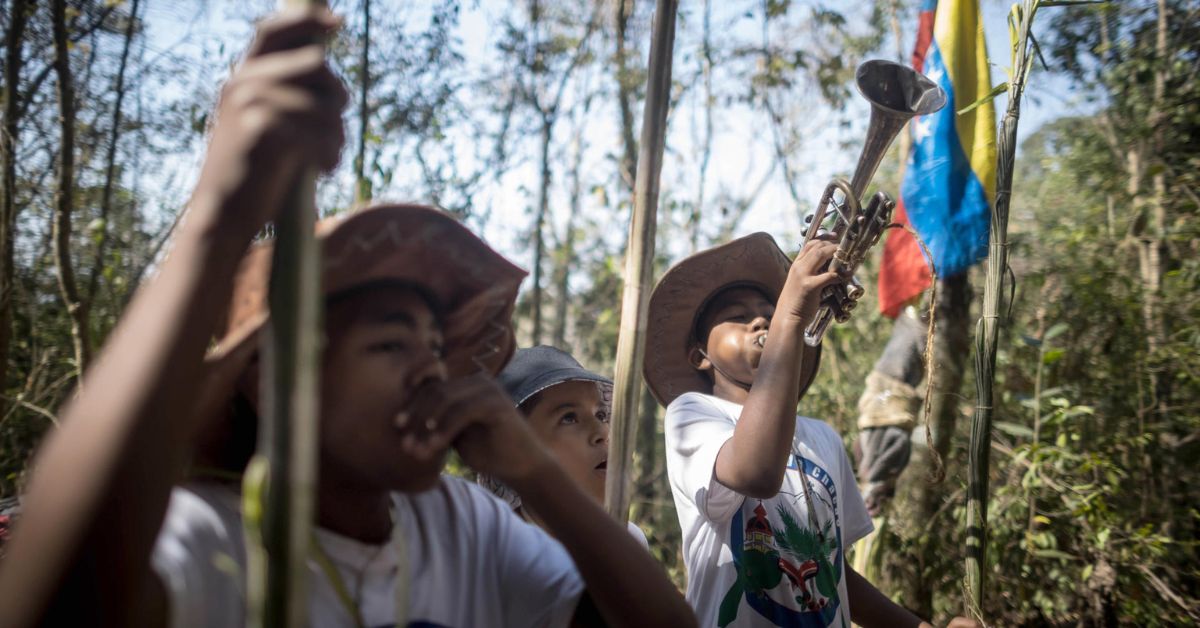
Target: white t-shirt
point(755, 562)
point(637, 535)
point(472, 562)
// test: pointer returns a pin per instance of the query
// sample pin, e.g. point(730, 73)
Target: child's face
point(382, 345)
point(571, 420)
point(737, 321)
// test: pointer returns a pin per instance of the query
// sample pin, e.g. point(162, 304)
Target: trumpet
point(897, 93)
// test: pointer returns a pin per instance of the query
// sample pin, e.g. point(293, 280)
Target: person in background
point(568, 407)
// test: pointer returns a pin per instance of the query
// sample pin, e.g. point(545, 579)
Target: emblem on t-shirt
point(789, 563)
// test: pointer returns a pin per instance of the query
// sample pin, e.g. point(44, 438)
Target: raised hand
point(807, 279)
point(280, 111)
point(475, 416)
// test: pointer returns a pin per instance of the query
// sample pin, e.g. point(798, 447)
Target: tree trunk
point(625, 96)
point(65, 193)
point(362, 187)
point(566, 257)
point(539, 225)
point(706, 68)
point(14, 39)
point(951, 348)
point(110, 159)
point(1152, 242)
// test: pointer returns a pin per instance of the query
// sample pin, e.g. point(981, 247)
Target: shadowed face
point(733, 331)
point(383, 344)
point(571, 420)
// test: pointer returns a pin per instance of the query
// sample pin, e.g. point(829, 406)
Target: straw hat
point(474, 286)
point(680, 297)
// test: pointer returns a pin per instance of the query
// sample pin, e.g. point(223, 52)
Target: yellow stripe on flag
point(958, 32)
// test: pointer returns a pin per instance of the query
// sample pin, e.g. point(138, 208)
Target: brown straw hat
point(683, 292)
point(474, 287)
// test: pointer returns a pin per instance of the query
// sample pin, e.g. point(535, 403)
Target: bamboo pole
point(279, 485)
point(639, 261)
point(987, 329)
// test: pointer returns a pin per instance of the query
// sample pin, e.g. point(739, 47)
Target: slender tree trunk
point(706, 67)
point(625, 96)
point(362, 189)
point(110, 158)
point(566, 257)
point(1153, 241)
point(18, 11)
point(64, 201)
point(539, 225)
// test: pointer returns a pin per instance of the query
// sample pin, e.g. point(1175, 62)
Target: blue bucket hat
point(535, 369)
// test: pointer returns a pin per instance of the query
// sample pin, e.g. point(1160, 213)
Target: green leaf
point(1056, 331)
point(1052, 356)
point(996, 91)
point(1014, 429)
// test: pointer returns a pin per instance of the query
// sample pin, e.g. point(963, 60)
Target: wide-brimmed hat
point(535, 369)
point(679, 298)
point(474, 287)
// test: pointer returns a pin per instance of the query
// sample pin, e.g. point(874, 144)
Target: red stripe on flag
point(924, 36)
point(904, 273)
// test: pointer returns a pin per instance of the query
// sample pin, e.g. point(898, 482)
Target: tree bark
point(1152, 241)
point(64, 201)
point(362, 187)
point(566, 257)
point(539, 224)
point(625, 96)
point(951, 348)
point(13, 43)
point(706, 68)
point(110, 158)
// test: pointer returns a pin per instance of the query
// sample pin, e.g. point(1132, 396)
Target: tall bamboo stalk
point(987, 330)
point(279, 485)
point(639, 261)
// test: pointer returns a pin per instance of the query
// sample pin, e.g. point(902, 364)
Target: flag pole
point(639, 261)
point(279, 484)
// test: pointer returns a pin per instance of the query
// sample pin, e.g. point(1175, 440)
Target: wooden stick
point(279, 485)
point(639, 261)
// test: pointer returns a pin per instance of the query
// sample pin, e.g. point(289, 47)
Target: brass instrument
point(897, 93)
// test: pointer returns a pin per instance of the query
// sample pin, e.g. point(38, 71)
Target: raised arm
point(624, 582)
point(753, 460)
point(102, 481)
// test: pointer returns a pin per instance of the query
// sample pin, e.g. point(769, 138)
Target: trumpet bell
point(898, 88)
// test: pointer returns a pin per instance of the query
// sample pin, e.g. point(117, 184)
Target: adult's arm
point(623, 581)
point(102, 482)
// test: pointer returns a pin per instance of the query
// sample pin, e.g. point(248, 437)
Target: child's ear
point(698, 360)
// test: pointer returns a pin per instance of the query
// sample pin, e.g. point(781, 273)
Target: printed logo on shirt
point(787, 571)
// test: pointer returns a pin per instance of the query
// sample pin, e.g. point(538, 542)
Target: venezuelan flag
point(950, 177)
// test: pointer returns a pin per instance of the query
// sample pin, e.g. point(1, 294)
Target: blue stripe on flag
point(944, 198)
